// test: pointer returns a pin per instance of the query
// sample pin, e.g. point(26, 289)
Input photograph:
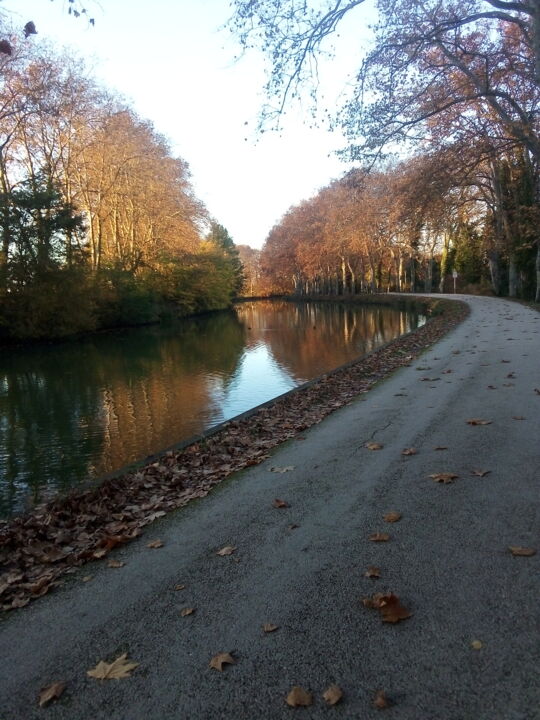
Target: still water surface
point(80, 409)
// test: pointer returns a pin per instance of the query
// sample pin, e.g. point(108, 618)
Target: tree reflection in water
point(79, 409)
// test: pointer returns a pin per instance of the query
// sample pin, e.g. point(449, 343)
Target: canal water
point(73, 411)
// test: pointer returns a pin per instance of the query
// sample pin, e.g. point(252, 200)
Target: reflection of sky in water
point(259, 371)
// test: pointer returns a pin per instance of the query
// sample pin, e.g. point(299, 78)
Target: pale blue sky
point(176, 66)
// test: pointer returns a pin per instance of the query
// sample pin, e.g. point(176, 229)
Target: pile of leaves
point(37, 548)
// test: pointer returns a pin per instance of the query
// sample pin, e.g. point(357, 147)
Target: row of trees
point(453, 87)
point(99, 222)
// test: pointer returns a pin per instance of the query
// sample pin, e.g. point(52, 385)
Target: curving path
point(302, 567)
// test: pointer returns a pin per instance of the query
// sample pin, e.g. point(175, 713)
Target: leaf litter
point(118, 669)
point(37, 548)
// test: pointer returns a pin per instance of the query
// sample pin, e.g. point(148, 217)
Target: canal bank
point(469, 648)
point(90, 523)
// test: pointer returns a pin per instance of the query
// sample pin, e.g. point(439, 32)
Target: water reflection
point(83, 408)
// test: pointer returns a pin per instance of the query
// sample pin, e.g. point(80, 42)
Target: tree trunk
point(512, 277)
point(494, 271)
point(537, 296)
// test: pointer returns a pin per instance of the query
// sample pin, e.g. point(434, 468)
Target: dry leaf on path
point(477, 645)
point(119, 668)
point(179, 587)
point(480, 473)
point(444, 478)
point(518, 417)
point(218, 661)
point(379, 537)
point(392, 611)
point(380, 701)
point(268, 627)
point(227, 550)
point(373, 446)
point(277, 469)
point(155, 544)
point(333, 694)
point(409, 451)
point(518, 551)
point(537, 391)
point(298, 697)
point(478, 421)
point(115, 564)
point(280, 503)
point(51, 692)
point(392, 517)
point(441, 447)
point(373, 572)
point(87, 578)
point(187, 611)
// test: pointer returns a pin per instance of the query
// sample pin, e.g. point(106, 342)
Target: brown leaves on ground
point(409, 451)
point(477, 645)
point(380, 700)
point(373, 446)
point(179, 587)
point(441, 447)
point(519, 551)
point(280, 503)
point(268, 627)
point(392, 517)
point(115, 564)
point(478, 421)
point(379, 537)
point(518, 417)
point(333, 694)
point(298, 697)
point(51, 692)
point(444, 478)
point(75, 526)
point(227, 550)
point(277, 469)
point(221, 659)
point(187, 611)
point(118, 669)
point(480, 473)
point(389, 607)
point(373, 572)
point(155, 544)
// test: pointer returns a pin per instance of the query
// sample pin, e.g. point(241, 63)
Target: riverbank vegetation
point(442, 114)
point(99, 223)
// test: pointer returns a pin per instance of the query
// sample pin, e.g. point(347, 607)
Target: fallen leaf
point(119, 668)
point(115, 564)
point(51, 692)
point(380, 701)
point(441, 447)
point(227, 550)
point(518, 417)
point(97, 554)
point(492, 387)
point(392, 611)
point(518, 551)
point(268, 627)
point(444, 478)
point(379, 537)
point(480, 473)
point(477, 645)
point(373, 446)
point(537, 391)
point(280, 503)
point(155, 544)
point(218, 661)
point(373, 572)
point(409, 451)
point(392, 517)
point(87, 578)
point(179, 587)
point(299, 697)
point(277, 469)
point(505, 361)
point(477, 421)
point(293, 526)
point(187, 611)
point(333, 694)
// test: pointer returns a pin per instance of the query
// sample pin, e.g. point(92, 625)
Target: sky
point(175, 64)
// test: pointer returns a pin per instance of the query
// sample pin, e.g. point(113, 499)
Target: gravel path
point(470, 651)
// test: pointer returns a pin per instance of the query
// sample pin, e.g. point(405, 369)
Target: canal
point(76, 410)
